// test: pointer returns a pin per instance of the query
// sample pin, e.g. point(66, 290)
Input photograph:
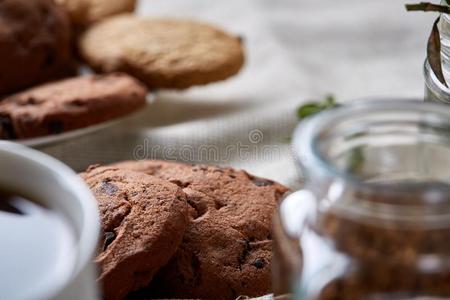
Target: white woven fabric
point(296, 50)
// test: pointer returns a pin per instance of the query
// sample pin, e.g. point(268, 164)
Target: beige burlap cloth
point(296, 50)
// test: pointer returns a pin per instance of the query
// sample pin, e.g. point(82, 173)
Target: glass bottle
point(444, 30)
point(434, 89)
point(373, 218)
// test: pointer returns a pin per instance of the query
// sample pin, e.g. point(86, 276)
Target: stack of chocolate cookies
point(48, 40)
point(173, 230)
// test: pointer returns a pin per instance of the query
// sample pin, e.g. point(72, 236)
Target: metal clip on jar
point(373, 219)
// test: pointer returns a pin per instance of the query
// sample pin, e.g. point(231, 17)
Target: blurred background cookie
point(69, 104)
point(85, 12)
point(143, 220)
point(162, 53)
point(34, 43)
point(227, 248)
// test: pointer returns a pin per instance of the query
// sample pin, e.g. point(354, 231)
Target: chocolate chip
point(262, 182)
point(28, 100)
point(134, 94)
point(50, 58)
point(180, 183)
point(77, 103)
point(109, 237)
point(200, 168)
point(108, 188)
point(55, 126)
point(218, 205)
point(259, 263)
point(6, 128)
point(43, 10)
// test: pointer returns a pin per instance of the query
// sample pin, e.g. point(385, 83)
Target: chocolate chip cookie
point(143, 220)
point(34, 43)
point(162, 53)
point(226, 250)
point(85, 12)
point(69, 104)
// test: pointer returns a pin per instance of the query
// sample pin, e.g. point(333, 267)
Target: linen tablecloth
point(296, 50)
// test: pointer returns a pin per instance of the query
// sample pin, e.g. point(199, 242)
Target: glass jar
point(373, 218)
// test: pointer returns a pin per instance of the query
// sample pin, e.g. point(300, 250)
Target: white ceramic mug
point(58, 188)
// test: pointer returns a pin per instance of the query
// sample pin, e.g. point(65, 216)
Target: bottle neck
point(444, 30)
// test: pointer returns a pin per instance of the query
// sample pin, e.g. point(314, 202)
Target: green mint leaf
point(308, 109)
point(312, 108)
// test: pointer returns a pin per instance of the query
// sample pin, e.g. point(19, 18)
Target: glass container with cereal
point(373, 218)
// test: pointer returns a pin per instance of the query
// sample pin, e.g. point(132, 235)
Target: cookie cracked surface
point(226, 250)
point(143, 220)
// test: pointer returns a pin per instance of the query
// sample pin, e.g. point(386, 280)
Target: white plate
point(65, 136)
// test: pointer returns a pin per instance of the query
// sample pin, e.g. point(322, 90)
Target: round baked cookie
point(162, 53)
point(226, 250)
point(34, 43)
point(69, 104)
point(143, 220)
point(85, 12)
